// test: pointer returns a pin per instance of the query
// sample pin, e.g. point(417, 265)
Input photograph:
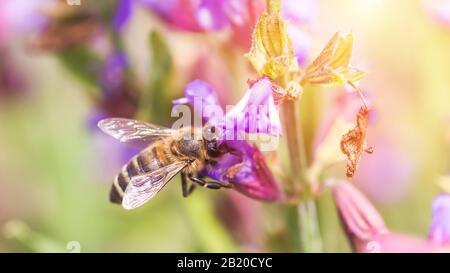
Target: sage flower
point(255, 113)
point(237, 16)
point(365, 228)
point(246, 167)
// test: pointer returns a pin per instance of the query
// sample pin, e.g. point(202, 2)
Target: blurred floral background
point(64, 67)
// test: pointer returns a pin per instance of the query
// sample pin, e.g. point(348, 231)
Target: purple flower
point(256, 111)
point(122, 14)
point(199, 94)
point(247, 170)
point(440, 225)
point(245, 167)
point(112, 74)
point(118, 97)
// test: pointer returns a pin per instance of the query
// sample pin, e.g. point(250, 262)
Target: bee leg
point(222, 184)
point(207, 184)
point(184, 186)
point(191, 189)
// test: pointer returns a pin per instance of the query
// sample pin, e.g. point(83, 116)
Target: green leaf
point(82, 63)
point(161, 76)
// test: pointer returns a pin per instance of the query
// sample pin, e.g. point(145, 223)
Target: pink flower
point(237, 16)
point(365, 228)
point(19, 16)
point(179, 14)
point(210, 15)
point(439, 10)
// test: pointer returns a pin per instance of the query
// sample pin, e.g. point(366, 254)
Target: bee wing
point(129, 130)
point(143, 187)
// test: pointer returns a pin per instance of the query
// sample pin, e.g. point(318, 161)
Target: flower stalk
point(290, 123)
point(297, 187)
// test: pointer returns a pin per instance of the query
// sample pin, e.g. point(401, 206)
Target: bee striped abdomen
point(147, 161)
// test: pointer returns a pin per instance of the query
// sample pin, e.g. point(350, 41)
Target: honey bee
point(168, 153)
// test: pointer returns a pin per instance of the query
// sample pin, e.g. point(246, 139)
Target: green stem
point(291, 122)
point(301, 219)
point(306, 214)
point(310, 239)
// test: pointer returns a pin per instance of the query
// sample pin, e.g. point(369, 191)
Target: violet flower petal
point(440, 226)
point(256, 111)
point(200, 95)
point(122, 14)
point(247, 171)
point(112, 74)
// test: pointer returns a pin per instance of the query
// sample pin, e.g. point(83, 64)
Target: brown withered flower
point(353, 143)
